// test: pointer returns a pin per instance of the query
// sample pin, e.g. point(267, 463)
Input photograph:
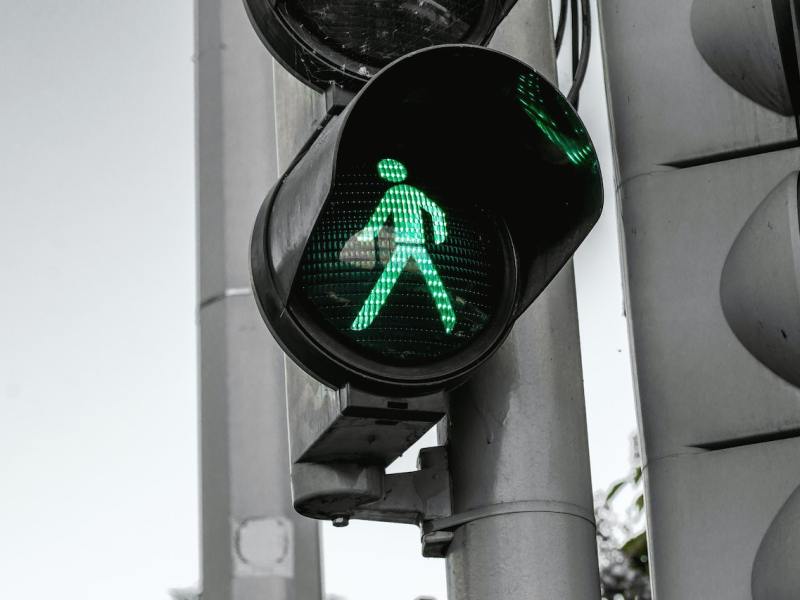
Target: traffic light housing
point(760, 282)
point(399, 248)
point(704, 110)
point(329, 41)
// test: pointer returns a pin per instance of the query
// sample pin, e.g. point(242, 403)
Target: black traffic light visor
point(348, 41)
point(398, 251)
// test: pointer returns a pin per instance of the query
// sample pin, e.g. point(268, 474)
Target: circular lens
point(375, 32)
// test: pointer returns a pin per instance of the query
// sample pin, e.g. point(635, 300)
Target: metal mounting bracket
point(343, 491)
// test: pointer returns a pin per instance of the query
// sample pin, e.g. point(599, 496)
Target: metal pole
point(254, 544)
point(517, 437)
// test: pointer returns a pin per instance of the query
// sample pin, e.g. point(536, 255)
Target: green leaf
point(637, 475)
point(636, 546)
point(640, 503)
point(615, 489)
point(635, 549)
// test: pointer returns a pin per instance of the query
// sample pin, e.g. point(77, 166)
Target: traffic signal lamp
point(419, 221)
point(707, 153)
point(407, 237)
point(325, 41)
point(760, 282)
point(751, 46)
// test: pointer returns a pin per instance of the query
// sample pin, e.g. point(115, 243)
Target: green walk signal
point(406, 275)
point(405, 204)
point(424, 218)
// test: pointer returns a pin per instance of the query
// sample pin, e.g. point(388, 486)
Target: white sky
point(98, 432)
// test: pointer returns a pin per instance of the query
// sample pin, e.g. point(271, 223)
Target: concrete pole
point(254, 545)
point(517, 437)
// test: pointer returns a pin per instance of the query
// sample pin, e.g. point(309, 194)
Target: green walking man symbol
point(405, 204)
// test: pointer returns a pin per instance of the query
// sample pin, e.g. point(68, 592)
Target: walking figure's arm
point(439, 221)
point(376, 223)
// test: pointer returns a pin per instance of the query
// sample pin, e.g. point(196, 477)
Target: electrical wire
point(582, 65)
point(562, 26)
point(574, 15)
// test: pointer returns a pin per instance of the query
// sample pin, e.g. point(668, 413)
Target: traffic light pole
point(518, 449)
point(254, 545)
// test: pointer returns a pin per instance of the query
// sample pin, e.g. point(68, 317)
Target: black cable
point(575, 35)
point(583, 63)
point(562, 26)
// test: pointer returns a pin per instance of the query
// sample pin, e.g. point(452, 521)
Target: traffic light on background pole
point(707, 153)
point(324, 42)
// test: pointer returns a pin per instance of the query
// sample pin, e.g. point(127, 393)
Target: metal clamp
point(438, 533)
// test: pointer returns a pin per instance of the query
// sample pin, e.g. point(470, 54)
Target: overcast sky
point(98, 394)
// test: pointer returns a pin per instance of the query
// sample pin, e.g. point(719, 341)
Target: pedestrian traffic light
point(325, 41)
point(399, 248)
point(707, 153)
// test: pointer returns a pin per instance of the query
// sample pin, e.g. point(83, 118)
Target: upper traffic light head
point(330, 41)
point(399, 249)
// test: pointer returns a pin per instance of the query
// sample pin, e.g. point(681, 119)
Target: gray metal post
point(517, 432)
point(254, 544)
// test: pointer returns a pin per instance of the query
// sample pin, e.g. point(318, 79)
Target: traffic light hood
point(397, 251)
point(324, 42)
point(760, 282)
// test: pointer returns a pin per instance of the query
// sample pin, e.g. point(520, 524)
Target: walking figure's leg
point(436, 287)
point(377, 297)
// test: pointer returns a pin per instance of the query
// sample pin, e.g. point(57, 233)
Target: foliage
point(621, 539)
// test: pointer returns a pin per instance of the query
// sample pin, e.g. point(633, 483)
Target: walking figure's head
point(392, 170)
